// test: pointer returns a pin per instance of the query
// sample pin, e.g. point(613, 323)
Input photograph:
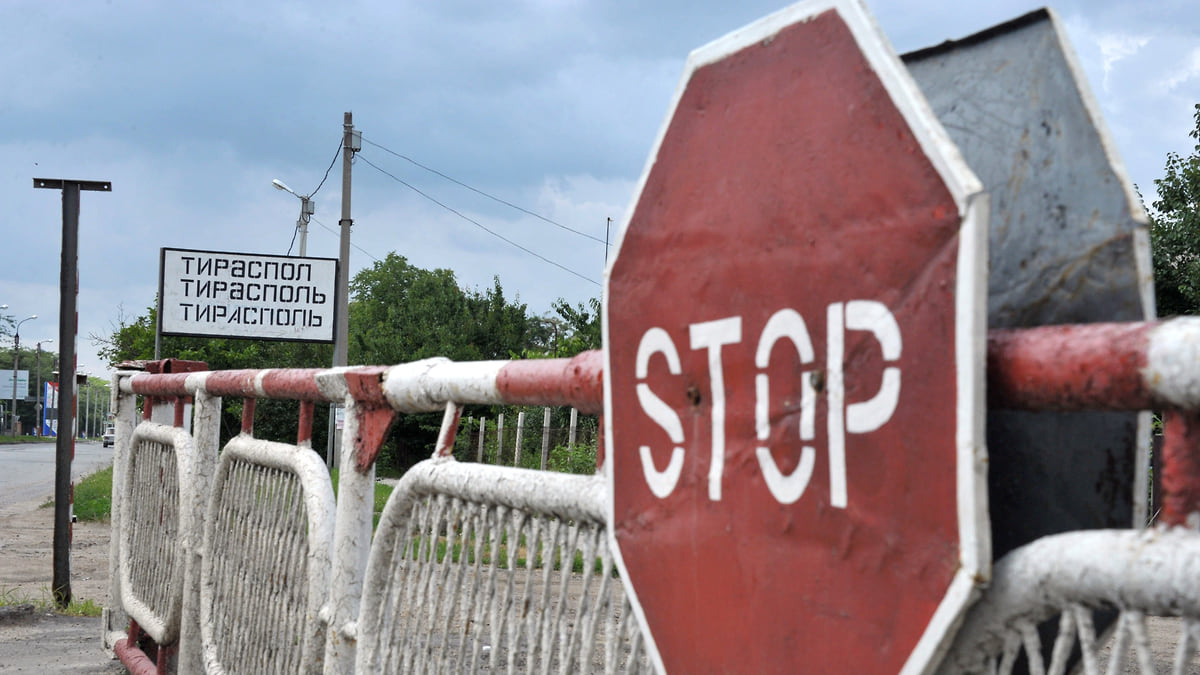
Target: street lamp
point(38, 396)
point(16, 360)
point(307, 208)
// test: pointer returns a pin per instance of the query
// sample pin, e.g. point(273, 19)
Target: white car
point(110, 435)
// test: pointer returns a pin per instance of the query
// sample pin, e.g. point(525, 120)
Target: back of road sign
point(1068, 244)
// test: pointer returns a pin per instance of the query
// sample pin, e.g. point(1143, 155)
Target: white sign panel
point(6, 385)
point(243, 295)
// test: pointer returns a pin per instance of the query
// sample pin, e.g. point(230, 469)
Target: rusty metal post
point(68, 283)
point(1181, 466)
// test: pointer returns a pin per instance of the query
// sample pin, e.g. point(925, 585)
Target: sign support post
point(68, 284)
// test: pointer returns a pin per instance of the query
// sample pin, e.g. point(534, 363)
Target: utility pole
point(351, 143)
point(68, 319)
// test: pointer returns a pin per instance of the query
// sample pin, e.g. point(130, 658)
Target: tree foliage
point(580, 324)
point(401, 313)
point(1175, 232)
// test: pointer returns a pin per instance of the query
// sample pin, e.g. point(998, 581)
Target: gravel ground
point(35, 642)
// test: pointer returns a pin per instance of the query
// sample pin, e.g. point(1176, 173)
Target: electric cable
point(481, 192)
point(293, 242)
point(330, 168)
point(476, 223)
point(338, 234)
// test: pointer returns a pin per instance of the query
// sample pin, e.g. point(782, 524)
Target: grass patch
point(11, 440)
point(93, 497)
point(11, 597)
point(382, 492)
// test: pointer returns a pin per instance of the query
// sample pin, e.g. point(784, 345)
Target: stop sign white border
point(970, 308)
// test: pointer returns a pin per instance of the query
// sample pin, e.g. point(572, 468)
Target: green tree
point(401, 313)
point(580, 325)
point(1175, 232)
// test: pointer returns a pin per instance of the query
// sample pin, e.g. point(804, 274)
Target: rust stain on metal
point(1181, 466)
point(248, 415)
point(131, 656)
point(160, 386)
point(600, 445)
point(375, 416)
point(293, 383)
point(578, 382)
point(1070, 367)
point(304, 427)
point(231, 383)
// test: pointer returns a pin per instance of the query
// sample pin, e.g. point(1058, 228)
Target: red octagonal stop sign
point(794, 334)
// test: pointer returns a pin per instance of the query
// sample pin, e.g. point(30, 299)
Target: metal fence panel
point(267, 550)
point(494, 568)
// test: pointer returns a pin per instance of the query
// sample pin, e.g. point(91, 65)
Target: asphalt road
point(27, 469)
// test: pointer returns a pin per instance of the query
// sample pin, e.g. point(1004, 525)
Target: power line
point(330, 168)
point(338, 234)
point(481, 192)
point(476, 223)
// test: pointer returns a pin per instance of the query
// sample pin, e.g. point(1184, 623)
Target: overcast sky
point(191, 109)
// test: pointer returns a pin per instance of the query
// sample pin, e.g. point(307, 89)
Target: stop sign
point(794, 330)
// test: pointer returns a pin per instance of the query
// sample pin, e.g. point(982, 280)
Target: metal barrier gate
point(446, 589)
point(266, 582)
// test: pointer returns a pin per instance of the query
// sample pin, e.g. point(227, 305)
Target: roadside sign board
point(245, 295)
point(6, 385)
point(794, 328)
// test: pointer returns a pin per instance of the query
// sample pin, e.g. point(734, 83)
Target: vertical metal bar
point(65, 443)
point(248, 415)
point(304, 431)
point(500, 439)
point(520, 432)
point(545, 437)
point(482, 431)
point(207, 430)
point(355, 506)
point(449, 431)
point(1181, 466)
point(600, 446)
point(124, 421)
